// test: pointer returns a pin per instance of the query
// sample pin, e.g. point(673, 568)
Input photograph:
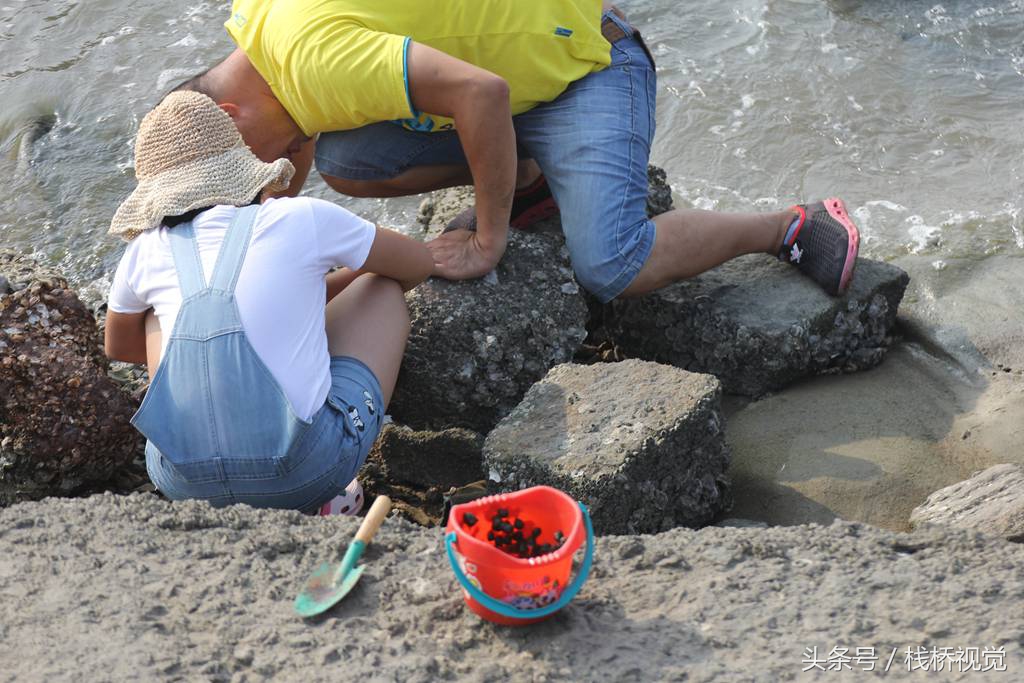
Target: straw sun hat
point(190, 155)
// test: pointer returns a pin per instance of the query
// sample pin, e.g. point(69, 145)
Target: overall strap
point(232, 250)
point(186, 259)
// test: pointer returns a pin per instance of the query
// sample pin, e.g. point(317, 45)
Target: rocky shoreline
point(742, 392)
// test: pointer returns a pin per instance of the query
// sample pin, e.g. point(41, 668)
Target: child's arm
point(133, 338)
point(401, 258)
point(154, 342)
point(125, 336)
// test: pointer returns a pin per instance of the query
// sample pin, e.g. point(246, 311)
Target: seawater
point(911, 111)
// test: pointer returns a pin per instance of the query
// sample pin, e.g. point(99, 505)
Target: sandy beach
point(132, 588)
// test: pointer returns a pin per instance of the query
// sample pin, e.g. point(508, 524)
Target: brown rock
point(63, 422)
point(430, 459)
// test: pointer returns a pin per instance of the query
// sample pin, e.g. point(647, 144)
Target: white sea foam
point(169, 76)
point(924, 236)
point(188, 41)
point(886, 204)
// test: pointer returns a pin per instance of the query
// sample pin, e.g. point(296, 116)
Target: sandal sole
point(837, 209)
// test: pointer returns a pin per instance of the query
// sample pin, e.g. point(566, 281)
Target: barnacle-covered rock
point(63, 422)
point(476, 346)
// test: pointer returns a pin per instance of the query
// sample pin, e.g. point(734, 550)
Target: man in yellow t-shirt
point(533, 102)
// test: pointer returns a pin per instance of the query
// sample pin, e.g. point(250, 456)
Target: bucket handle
point(506, 610)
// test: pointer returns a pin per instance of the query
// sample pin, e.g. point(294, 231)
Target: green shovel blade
point(330, 583)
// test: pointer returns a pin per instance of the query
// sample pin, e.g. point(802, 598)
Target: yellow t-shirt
point(341, 64)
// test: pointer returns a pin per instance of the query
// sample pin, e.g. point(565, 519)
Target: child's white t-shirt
point(280, 292)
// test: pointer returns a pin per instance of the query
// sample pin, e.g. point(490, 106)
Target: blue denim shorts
point(592, 142)
point(322, 460)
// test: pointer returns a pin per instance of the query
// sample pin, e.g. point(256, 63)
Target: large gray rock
point(757, 324)
point(64, 423)
point(477, 346)
point(991, 501)
point(641, 444)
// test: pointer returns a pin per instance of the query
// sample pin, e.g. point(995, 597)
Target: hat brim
point(233, 177)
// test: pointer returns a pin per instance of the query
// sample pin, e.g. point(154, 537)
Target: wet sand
point(946, 402)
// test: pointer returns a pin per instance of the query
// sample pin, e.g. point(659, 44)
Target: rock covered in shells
point(63, 422)
point(659, 194)
point(430, 459)
point(476, 346)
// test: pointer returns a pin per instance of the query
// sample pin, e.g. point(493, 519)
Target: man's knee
point(606, 262)
point(598, 273)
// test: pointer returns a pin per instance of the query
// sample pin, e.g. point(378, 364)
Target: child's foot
point(823, 243)
point(349, 502)
point(530, 204)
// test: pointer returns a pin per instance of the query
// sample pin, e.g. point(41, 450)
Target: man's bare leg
point(687, 242)
point(423, 179)
point(690, 241)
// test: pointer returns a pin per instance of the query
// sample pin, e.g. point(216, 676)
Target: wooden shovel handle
point(374, 518)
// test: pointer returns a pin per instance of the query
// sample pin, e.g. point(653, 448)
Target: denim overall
point(219, 426)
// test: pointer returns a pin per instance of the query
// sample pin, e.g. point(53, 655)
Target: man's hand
point(462, 255)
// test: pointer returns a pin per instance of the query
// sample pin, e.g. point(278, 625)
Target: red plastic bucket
point(506, 589)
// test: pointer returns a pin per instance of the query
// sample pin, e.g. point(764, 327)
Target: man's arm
point(478, 101)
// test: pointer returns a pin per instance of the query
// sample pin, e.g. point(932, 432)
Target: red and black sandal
point(824, 244)
point(530, 204)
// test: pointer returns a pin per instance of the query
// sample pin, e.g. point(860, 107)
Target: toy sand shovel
point(332, 581)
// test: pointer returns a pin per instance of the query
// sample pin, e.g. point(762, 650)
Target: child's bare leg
point(369, 321)
point(338, 280)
